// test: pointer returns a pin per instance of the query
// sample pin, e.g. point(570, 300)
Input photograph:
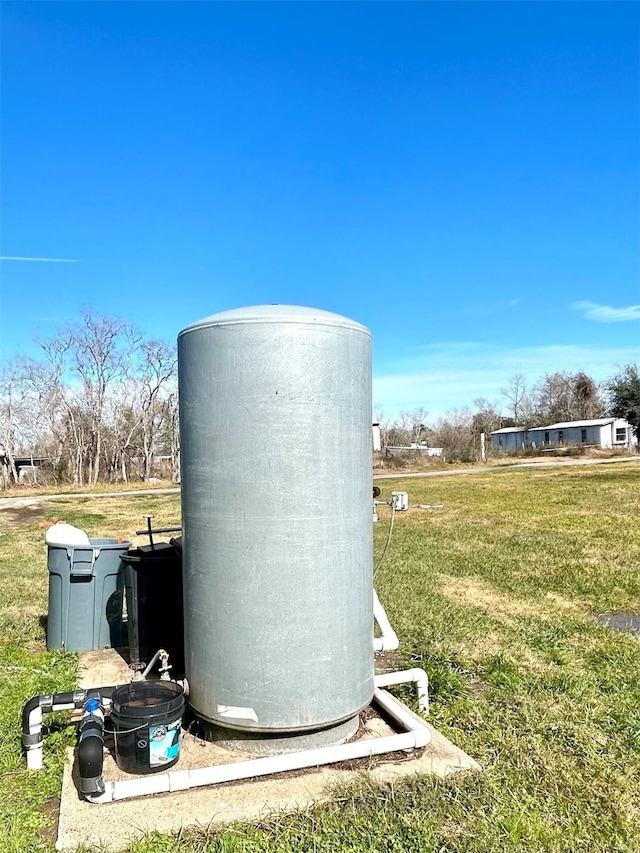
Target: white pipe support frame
point(388, 641)
point(415, 736)
point(408, 676)
point(34, 751)
point(46, 704)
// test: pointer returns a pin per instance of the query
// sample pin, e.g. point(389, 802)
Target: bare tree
point(47, 412)
point(61, 405)
point(11, 404)
point(158, 369)
point(121, 437)
point(102, 350)
point(588, 398)
point(515, 394)
point(414, 425)
point(563, 396)
point(172, 431)
point(97, 402)
point(486, 417)
point(553, 396)
point(85, 361)
point(455, 434)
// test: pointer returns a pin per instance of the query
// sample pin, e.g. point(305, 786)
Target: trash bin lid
point(66, 534)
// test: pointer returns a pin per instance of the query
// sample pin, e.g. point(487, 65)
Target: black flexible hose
point(91, 749)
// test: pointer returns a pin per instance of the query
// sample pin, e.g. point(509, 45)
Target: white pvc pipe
point(408, 676)
point(34, 758)
point(415, 736)
point(403, 716)
point(388, 641)
point(34, 752)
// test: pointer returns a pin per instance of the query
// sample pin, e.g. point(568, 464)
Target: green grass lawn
point(494, 595)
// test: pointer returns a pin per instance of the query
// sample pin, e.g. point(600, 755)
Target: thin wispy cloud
point(605, 313)
point(486, 309)
point(39, 260)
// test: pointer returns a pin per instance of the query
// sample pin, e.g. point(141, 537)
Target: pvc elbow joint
point(45, 704)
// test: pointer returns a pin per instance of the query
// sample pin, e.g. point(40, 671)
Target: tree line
point(555, 398)
point(100, 403)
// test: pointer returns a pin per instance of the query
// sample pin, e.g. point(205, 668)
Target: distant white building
point(598, 432)
point(377, 443)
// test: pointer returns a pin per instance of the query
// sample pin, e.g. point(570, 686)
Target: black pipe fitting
point(91, 749)
point(28, 739)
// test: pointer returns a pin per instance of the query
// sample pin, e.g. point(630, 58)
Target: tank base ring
point(279, 743)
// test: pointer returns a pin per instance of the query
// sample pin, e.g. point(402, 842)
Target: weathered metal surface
point(275, 414)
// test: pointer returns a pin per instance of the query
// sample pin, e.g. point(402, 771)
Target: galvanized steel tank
point(275, 421)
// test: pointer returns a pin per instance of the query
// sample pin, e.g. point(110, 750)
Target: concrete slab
point(102, 668)
point(114, 825)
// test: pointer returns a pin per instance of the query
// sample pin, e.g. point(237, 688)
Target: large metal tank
point(275, 420)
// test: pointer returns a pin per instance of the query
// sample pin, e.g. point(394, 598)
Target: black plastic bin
point(153, 588)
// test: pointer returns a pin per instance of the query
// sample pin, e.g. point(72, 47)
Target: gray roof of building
point(585, 423)
point(564, 425)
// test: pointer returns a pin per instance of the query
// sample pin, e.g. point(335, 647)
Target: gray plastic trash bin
point(85, 595)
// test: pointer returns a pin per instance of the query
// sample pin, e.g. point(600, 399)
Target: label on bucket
point(164, 743)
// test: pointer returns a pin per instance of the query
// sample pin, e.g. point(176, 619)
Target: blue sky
point(462, 178)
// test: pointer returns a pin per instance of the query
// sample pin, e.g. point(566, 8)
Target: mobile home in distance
point(510, 438)
point(606, 433)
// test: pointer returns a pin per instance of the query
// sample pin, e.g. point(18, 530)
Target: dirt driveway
point(12, 503)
